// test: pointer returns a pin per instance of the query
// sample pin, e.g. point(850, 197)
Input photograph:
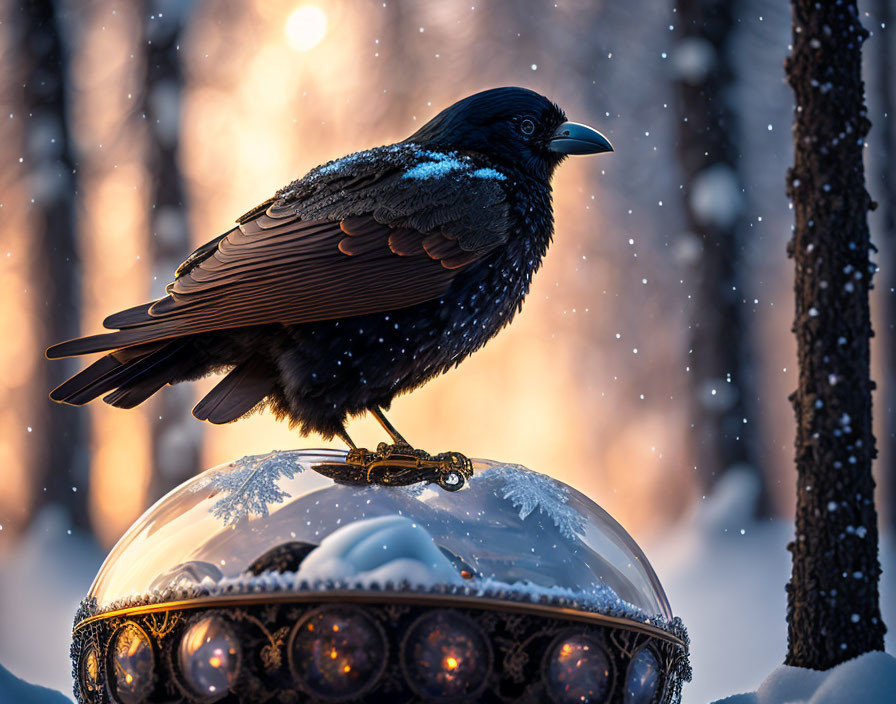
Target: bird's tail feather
point(133, 372)
point(133, 394)
point(237, 393)
point(143, 383)
point(94, 374)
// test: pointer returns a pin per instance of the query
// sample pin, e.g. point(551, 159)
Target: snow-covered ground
point(869, 678)
point(724, 576)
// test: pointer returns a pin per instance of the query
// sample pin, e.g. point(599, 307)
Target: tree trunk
point(176, 434)
point(886, 150)
point(833, 603)
point(723, 439)
point(61, 472)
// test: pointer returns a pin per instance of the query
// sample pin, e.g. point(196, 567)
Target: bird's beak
point(573, 138)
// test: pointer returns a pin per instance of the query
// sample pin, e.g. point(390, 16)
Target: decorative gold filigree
point(400, 465)
point(626, 642)
point(161, 624)
point(393, 612)
point(271, 654)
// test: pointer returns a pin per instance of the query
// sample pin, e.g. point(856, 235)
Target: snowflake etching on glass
point(528, 490)
point(250, 485)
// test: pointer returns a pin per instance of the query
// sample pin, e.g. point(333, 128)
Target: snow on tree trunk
point(833, 603)
point(886, 59)
point(62, 469)
point(176, 435)
point(708, 155)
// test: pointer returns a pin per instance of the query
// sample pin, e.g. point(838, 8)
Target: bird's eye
point(527, 126)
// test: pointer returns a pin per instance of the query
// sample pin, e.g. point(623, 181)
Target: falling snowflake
point(528, 490)
point(249, 485)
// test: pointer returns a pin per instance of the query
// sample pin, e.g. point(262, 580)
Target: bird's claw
point(400, 464)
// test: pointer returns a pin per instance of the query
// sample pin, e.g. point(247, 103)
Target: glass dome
point(508, 531)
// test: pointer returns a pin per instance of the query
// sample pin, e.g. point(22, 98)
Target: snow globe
point(267, 581)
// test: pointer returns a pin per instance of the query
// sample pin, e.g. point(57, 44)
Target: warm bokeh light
point(306, 27)
point(17, 406)
point(116, 273)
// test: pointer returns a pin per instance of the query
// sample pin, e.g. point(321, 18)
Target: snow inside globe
point(267, 581)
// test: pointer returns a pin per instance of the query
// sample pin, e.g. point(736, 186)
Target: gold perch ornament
point(399, 464)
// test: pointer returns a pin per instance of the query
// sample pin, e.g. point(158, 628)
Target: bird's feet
point(399, 464)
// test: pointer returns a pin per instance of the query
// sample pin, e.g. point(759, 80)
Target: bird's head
point(514, 127)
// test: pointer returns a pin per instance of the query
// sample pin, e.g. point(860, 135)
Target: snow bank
point(725, 574)
point(869, 678)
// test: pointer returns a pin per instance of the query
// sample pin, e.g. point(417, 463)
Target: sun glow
point(306, 27)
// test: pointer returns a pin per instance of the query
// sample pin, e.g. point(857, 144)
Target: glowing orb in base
point(306, 27)
point(578, 670)
point(643, 678)
point(446, 656)
point(131, 665)
point(89, 668)
point(209, 656)
point(337, 652)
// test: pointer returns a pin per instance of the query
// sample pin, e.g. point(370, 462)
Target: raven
point(362, 280)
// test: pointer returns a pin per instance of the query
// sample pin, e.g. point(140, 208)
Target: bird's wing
point(347, 246)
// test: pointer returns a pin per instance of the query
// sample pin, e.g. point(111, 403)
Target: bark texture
point(709, 155)
point(886, 150)
point(62, 468)
point(833, 602)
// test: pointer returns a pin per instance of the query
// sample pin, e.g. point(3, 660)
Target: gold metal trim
point(417, 599)
point(399, 465)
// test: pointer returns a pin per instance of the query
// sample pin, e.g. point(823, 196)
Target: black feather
point(175, 361)
point(94, 373)
point(237, 393)
point(138, 315)
point(113, 371)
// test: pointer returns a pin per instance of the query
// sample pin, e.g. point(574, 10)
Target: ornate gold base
point(373, 647)
point(400, 465)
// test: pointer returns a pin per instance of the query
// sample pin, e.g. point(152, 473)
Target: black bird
point(362, 280)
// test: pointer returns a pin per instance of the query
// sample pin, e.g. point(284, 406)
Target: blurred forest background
point(654, 355)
